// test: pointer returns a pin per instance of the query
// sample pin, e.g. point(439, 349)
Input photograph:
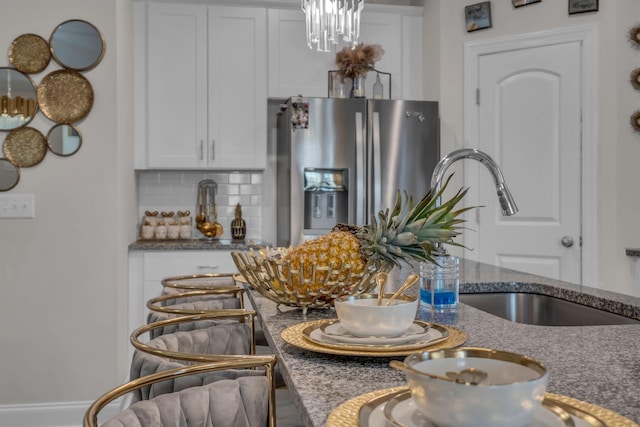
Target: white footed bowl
point(510, 396)
point(361, 315)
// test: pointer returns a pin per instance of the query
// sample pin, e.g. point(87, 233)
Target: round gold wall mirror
point(18, 102)
point(9, 175)
point(77, 45)
point(64, 140)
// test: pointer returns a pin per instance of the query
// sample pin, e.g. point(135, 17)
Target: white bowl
point(361, 315)
point(511, 394)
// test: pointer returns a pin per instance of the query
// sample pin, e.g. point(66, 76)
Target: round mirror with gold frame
point(18, 101)
point(77, 45)
point(64, 140)
point(9, 175)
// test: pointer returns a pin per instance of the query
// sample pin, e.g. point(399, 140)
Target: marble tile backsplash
point(178, 191)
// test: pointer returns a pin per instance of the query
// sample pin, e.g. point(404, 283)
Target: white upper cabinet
point(295, 69)
point(201, 93)
point(203, 74)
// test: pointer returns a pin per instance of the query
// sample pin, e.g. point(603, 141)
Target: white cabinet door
point(205, 87)
point(176, 97)
point(295, 69)
point(237, 87)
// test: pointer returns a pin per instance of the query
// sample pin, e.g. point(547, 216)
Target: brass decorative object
point(65, 96)
point(25, 147)
point(273, 278)
point(29, 53)
point(238, 225)
point(207, 210)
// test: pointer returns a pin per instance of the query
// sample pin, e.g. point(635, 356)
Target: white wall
point(618, 144)
point(63, 275)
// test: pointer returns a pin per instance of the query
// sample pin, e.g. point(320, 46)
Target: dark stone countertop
point(195, 245)
point(596, 364)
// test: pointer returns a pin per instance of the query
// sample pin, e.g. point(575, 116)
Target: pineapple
point(409, 232)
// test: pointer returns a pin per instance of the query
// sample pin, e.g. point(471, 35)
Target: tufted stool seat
point(246, 401)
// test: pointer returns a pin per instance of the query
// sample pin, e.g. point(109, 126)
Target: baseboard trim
point(63, 414)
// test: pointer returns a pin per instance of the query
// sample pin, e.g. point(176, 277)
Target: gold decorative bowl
point(274, 278)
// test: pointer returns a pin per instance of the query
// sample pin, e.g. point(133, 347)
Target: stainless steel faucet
point(507, 203)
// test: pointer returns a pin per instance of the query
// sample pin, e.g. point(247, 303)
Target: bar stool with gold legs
point(168, 306)
point(200, 282)
point(184, 285)
point(221, 403)
point(217, 334)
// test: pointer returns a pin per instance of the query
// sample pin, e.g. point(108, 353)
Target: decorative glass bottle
point(357, 88)
point(238, 226)
point(377, 88)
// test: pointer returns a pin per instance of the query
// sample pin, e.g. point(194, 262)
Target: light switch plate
point(17, 206)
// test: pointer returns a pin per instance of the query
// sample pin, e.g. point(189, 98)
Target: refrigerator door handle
point(360, 171)
point(377, 167)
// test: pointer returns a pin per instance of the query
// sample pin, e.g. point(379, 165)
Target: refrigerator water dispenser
point(325, 199)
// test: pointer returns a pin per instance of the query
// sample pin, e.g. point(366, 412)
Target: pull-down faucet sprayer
point(507, 203)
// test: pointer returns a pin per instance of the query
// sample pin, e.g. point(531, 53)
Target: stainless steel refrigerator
point(343, 160)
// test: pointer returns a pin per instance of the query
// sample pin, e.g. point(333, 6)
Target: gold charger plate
point(294, 335)
point(346, 414)
point(29, 53)
point(25, 147)
point(65, 96)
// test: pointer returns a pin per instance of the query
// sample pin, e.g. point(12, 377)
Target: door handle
point(567, 241)
point(213, 149)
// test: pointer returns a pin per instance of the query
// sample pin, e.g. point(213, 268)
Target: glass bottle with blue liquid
point(440, 283)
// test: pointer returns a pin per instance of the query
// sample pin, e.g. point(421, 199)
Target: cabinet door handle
point(213, 149)
point(201, 150)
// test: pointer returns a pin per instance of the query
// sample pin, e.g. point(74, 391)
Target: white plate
point(338, 333)
point(402, 412)
point(435, 334)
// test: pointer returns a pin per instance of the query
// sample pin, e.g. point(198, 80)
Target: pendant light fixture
point(332, 21)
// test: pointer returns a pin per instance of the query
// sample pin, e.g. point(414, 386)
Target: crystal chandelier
point(329, 20)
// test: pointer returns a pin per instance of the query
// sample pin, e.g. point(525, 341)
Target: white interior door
point(529, 121)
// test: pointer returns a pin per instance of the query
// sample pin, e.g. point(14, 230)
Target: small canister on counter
point(161, 230)
point(147, 230)
point(184, 220)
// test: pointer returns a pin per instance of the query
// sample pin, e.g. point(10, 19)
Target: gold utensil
point(410, 281)
point(381, 280)
point(462, 377)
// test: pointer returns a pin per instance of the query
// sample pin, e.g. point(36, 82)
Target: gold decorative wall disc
point(29, 53)
point(25, 147)
point(65, 96)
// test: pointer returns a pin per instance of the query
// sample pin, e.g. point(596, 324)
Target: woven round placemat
point(346, 415)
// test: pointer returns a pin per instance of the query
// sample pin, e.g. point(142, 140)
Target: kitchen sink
point(544, 310)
